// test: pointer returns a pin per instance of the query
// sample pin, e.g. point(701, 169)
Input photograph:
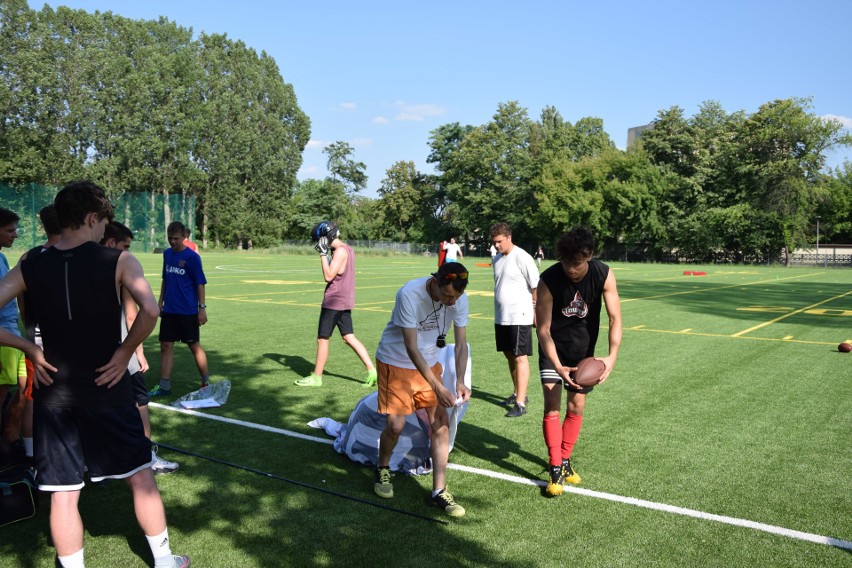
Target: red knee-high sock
point(570, 433)
point(553, 438)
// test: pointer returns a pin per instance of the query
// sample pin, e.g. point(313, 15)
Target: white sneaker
point(163, 466)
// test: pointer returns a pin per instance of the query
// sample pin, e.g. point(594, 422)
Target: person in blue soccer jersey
point(182, 307)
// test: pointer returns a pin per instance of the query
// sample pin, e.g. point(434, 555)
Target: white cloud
point(844, 121)
point(314, 144)
point(348, 106)
point(417, 112)
point(380, 120)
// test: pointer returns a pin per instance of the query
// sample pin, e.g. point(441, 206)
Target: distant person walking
point(539, 256)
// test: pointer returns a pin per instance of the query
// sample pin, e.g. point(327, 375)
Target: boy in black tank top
point(85, 417)
point(570, 296)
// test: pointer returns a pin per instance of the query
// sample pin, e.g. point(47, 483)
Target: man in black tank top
point(85, 418)
point(570, 296)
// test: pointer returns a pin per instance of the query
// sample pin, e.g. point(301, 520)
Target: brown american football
point(589, 372)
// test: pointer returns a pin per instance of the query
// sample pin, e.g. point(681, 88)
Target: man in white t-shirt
point(409, 374)
point(515, 282)
point(454, 252)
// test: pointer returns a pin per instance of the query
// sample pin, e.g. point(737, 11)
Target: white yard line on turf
point(772, 529)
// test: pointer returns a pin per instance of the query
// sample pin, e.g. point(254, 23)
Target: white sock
point(436, 491)
point(161, 549)
point(72, 560)
point(28, 447)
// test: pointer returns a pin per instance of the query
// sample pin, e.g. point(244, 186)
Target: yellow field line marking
point(703, 290)
point(788, 339)
point(779, 318)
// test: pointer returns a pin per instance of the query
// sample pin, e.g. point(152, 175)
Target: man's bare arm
point(131, 277)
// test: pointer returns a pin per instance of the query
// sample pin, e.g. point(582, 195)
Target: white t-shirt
point(453, 251)
point(414, 308)
point(515, 277)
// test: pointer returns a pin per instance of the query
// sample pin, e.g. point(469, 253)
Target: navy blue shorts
point(342, 319)
point(106, 442)
point(179, 327)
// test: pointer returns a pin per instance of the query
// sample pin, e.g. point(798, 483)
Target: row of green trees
point(141, 106)
point(736, 186)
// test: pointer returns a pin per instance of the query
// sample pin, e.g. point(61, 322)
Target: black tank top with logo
point(73, 297)
point(576, 316)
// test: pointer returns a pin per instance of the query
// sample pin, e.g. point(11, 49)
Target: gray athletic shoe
point(163, 466)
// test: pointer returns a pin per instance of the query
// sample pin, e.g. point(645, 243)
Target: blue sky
point(381, 75)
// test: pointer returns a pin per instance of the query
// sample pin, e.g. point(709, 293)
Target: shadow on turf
point(302, 366)
point(495, 449)
point(490, 398)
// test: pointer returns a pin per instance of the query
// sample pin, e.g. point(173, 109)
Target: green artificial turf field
point(722, 438)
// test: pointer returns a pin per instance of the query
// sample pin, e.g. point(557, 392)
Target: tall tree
point(409, 206)
point(781, 154)
point(254, 133)
point(344, 169)
point(488, 178)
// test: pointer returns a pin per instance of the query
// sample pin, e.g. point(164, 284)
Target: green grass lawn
point(729, 398)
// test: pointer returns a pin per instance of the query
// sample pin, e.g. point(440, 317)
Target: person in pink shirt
point(338, 270)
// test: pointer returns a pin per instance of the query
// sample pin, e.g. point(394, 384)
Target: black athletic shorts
point(108, 442)
point(516, 339)
point(140, 391)
point(549, 375)
point(331, 318)
point(179, 327)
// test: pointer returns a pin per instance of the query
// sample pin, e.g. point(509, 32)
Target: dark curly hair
point(575, 245)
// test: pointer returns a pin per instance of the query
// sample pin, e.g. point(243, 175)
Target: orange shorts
point(28, 392)
point(403, 391)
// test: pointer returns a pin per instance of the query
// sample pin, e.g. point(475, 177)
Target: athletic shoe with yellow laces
point(383, 486)
point(443, 500)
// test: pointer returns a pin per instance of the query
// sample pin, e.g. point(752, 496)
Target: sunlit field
point(722, 438)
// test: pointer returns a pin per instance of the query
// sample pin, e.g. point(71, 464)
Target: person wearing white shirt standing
point(515, 283)
point(453, 250)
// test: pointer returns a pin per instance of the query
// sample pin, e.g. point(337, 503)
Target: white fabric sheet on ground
point(359, 437)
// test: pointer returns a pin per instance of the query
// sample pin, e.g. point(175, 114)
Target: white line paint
point(772, 529)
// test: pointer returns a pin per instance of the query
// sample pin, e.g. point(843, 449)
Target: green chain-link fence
point(146, 214)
